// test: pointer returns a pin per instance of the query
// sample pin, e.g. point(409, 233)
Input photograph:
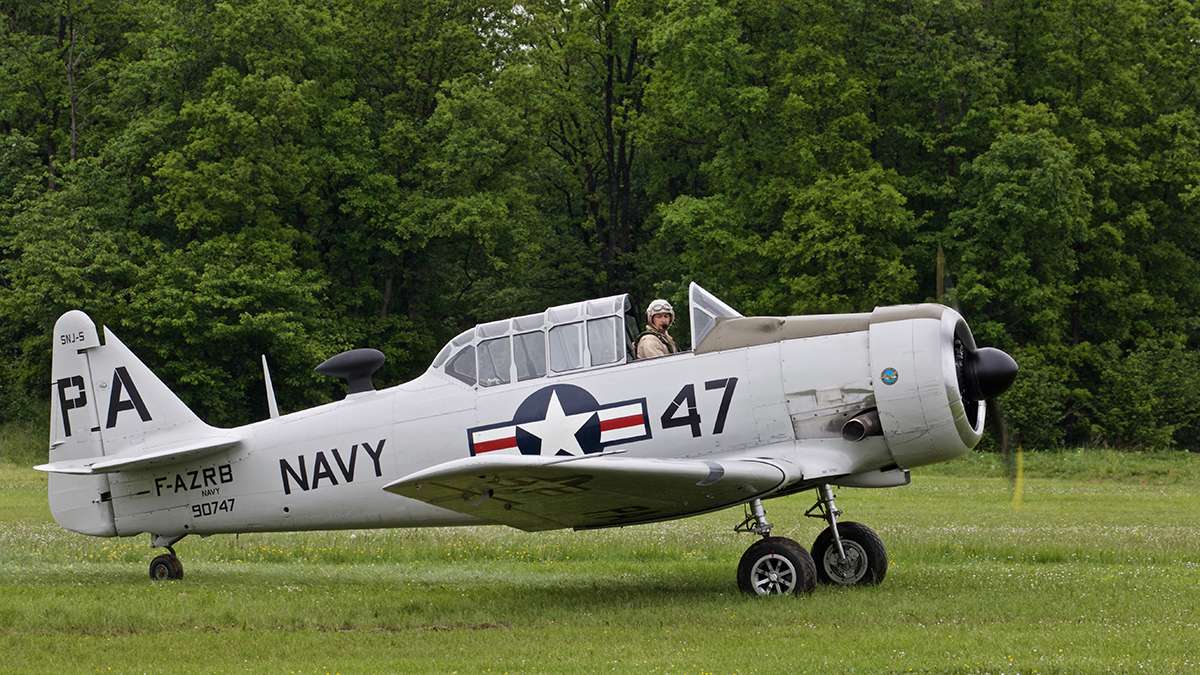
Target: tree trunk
point(67, 35)
point(625, 152)
point(387, 296)
point(612, 240)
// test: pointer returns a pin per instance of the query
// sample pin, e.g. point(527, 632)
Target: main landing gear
point(167, 565)
point(844, 554)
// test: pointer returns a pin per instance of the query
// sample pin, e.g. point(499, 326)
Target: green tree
point(1025, 207)
point(783, 207)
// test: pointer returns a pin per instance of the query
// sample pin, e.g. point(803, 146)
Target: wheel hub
point(848, 571)
point(773, 574)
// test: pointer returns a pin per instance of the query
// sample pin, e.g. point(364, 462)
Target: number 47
point(687, 397)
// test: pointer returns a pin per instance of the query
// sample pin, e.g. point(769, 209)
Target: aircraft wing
point(142, 457)
point(531, 492)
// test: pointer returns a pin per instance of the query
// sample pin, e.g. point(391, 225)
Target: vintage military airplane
point(541, 422)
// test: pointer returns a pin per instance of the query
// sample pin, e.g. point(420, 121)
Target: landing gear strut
point(772, 565)
point(846, 553)
point(167, 565)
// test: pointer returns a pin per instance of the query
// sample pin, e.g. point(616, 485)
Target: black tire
point(165, 566)
point(177, 568)
point(865, 554)
point(776, 566)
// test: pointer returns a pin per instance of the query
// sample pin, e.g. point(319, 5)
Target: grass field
point(1099, 570)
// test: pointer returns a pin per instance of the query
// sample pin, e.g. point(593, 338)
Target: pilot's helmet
point(660, 306)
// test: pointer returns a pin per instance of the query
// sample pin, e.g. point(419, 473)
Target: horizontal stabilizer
point(531, 492)
point(142, 457)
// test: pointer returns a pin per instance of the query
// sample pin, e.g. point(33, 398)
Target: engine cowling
point(931, 381)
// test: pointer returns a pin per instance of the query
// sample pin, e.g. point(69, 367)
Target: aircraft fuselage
point(324, 468)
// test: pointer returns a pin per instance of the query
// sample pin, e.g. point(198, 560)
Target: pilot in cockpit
point(655, 341)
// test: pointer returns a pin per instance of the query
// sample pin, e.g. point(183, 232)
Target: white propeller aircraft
point(541, 422)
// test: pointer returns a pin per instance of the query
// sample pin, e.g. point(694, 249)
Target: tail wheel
point(776, 566)
point(866, 559)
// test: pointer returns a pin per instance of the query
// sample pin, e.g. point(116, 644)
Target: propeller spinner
point(987, 373)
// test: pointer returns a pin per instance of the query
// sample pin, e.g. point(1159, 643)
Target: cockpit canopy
point(562, 339)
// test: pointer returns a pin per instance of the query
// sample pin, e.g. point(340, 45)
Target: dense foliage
point(216, 180)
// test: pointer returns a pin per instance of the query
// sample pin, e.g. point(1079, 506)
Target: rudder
point(78, 503)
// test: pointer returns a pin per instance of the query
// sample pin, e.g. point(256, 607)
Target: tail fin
point(104, 401)
point(105, 389)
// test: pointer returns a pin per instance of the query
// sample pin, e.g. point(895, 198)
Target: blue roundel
point(572, 400)
point(889, 376)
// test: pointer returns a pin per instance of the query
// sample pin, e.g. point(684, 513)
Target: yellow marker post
point(1019, 483)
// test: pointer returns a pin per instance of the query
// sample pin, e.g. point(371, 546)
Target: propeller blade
point(1005, 451)
point(1018, 498)
point(1014, 464)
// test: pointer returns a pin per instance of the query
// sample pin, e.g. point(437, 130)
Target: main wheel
point(866, 560)
point(178, 567)
point(776, 566)
point(166, 566)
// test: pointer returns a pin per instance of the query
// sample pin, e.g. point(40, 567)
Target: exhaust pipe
point(862, 425)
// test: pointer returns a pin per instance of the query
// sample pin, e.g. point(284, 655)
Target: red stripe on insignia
point(621, 422)
point(498, 444)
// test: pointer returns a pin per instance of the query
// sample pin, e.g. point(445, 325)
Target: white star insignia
point(558, 430)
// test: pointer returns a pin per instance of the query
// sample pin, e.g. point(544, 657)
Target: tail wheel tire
point(866, 559)
point(776, 566)
point(166, 566)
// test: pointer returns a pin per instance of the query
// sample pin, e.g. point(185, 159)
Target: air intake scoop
point(355, 367)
